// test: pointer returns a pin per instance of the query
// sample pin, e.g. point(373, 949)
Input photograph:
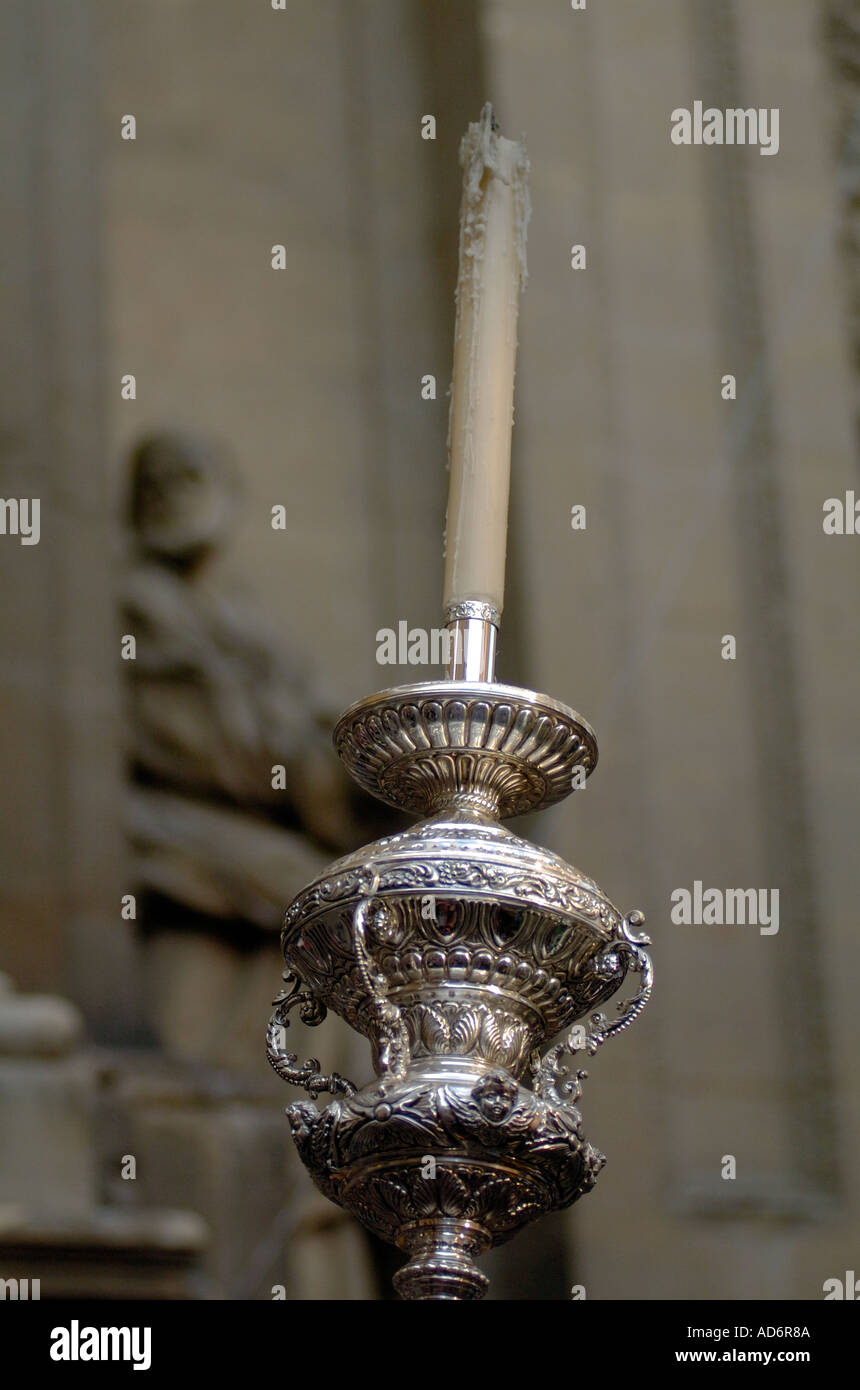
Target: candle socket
point(473, 650)
point(474, 629)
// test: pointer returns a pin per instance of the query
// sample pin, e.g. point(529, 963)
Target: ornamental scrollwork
point(551, 1080)
point(306, 1074)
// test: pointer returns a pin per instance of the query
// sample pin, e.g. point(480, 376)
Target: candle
point(493, 217)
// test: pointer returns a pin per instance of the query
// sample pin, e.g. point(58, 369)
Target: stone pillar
point(61, 777)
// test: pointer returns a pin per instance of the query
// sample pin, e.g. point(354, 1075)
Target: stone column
point(61, 776)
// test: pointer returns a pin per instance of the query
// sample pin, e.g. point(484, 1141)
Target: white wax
point(493, 217)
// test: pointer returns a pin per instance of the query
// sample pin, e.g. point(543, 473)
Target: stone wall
point(153, 257)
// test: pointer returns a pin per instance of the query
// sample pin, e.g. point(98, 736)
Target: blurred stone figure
point(235, 800)
point(217, 707)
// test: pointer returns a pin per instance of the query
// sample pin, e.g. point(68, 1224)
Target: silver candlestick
point(459, 950)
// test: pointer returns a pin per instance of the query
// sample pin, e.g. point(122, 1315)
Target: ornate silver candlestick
point(459, 950)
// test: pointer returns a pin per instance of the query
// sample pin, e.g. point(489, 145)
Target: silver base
point(459, 950)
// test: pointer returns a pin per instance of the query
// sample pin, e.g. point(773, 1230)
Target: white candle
point(493, 217)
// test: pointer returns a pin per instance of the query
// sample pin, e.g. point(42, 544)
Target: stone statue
point(216, 704)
